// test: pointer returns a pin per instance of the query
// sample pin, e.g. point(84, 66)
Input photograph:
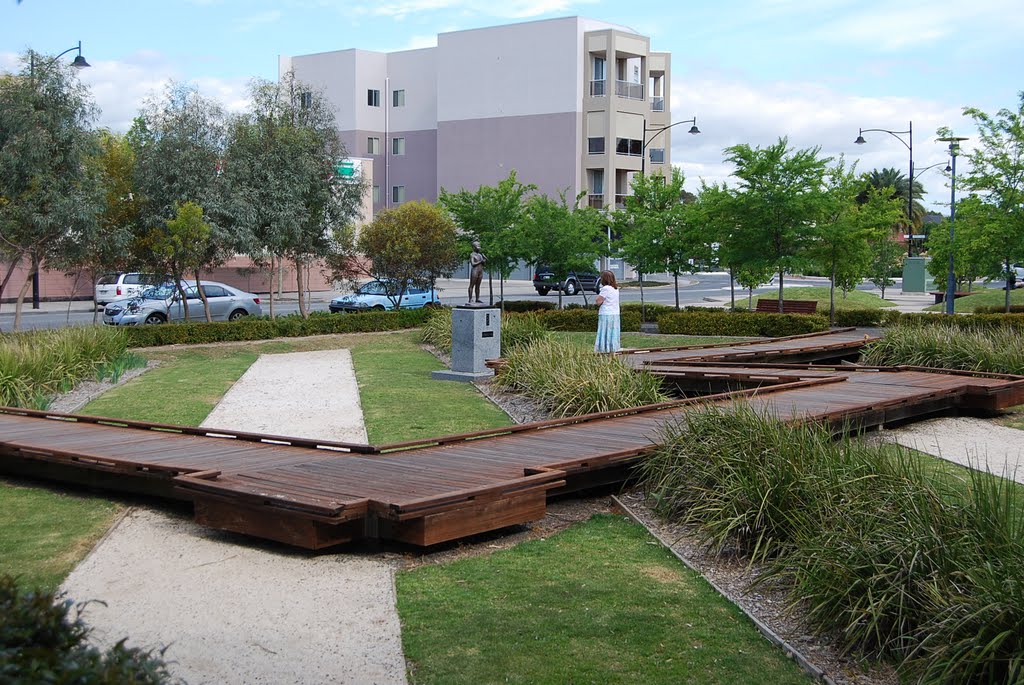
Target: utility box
point(915, 275)
point(476, 337)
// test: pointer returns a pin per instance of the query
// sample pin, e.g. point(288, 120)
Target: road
point(694, 289)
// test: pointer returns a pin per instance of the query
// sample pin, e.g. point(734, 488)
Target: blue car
point(373, 296)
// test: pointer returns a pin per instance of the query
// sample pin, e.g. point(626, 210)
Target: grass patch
point(982, 297)
point(45, 533)
point(598, 603)
point(855, 299)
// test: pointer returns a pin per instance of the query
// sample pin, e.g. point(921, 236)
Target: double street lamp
point(78, 63)
point(658, 130)
point(954, 148)
point(909, 144)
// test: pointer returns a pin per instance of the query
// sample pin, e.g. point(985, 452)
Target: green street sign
point(345, 168)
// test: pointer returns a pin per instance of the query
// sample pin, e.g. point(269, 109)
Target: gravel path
point(232, 609)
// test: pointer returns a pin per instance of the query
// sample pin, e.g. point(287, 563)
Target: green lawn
point(982, 297)
point(601, 602)
point(855, 299)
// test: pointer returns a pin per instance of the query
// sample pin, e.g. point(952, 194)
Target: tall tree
point(46, 189)
point(183, 248)
point(281, 187)
point(896, 182)
point(886, 259)
point(776, 204)
point(492, 215)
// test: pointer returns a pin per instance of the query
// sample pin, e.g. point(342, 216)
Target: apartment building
point(565, 102)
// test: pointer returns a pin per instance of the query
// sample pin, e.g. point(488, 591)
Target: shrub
point(585, 320)
point(570, 382)
point(1000, 309)
point(528, 305)
point(653, 310)
point(947, 344)
point(961, 321)
point(740, 324)
point(859, 317)
point(249, 328)
point(40, 642)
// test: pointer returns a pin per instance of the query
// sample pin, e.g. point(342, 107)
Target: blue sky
point(749, 71)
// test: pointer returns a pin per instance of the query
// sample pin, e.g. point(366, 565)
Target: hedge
point(292, 326)
point(1000, 309)
point(859, 317)
point(580, 319)
point(748, 325)
point(962, 321)
point(515, 306)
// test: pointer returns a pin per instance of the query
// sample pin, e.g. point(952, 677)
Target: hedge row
point(740, 324)
point(293, 326)
point(971, 322)
point(581, 319)
point(1000, 309)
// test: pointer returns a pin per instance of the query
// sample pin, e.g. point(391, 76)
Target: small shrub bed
point(516, 330)
point(741, 324)
point(948, 345)
point(570, 382)
point(528, 305)
point(318, 323)
point(962, 322)
point(34, 365)
point(859, 317)
point(42, 642)
point(890, 558)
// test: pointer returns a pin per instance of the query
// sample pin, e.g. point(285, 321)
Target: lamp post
point(909, 144)
point(954, 148)
point(658, 131)
point(78, 63)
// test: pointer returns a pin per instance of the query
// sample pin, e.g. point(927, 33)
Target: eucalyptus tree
point(778, 199)
point(282, 190)
point(492, 215)
point(46, 189)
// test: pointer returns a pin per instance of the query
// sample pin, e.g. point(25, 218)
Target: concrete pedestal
point(476, 337)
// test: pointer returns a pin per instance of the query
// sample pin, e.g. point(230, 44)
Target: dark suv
point(544, 281)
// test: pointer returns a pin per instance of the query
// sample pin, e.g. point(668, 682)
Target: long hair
point(608, 278)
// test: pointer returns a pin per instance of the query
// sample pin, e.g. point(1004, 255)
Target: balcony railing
point(596, 201)
point(598, 88)
point(658, 104)
point(627, 89)
point(657, 155)
point(620, 200)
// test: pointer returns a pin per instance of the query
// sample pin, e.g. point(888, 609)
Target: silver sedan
point(163, 303)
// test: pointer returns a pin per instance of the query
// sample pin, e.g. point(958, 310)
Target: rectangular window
point(398, 146)
point(397, 194)
point(373, 98)
point(595, 146)
point(599, 67)
point(376, 195)
point(398, 98)
point(629, 146)
point(306, 100)
point(596, 181)
point(373, 146)
point(658, 155)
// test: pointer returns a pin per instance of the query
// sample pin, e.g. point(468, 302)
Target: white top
point(610, 305)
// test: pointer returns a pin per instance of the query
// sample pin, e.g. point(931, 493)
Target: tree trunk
point(732, 288)
point(303, 311)
point(490, 286)
point(501, 292)
point(21, 301)
point(676, 277)
point(780, 291)
point(8, 273)
point(273, 272)
point(832, 296)
point(202, 296)
point(643, 304)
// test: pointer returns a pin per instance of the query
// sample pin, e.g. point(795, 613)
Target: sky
point(749, 71)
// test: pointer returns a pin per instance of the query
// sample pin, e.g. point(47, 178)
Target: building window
point(397, 194)
point(595, 146)
point(373, 98)
point(658, 155)
point(398, 146)
point(598, 76)
point(398, 98)
point(305, 100)
point(373, 146)
point(376, 195)
point(629, 146)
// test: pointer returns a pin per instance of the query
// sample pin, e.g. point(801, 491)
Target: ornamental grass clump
point(950, 346)
point(878, 547)
point(571, 382)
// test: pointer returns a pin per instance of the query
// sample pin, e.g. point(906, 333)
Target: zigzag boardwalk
point(316, 494)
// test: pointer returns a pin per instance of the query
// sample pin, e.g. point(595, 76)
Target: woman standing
point(608, 314)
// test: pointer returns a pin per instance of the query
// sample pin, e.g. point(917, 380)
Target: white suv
point(116, 286)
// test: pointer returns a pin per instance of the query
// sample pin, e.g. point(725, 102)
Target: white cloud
point(257, 21)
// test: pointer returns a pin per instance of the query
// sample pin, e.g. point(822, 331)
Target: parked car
point(118, 285)
point(374, 296)
point(544, 280)
point(162, 303)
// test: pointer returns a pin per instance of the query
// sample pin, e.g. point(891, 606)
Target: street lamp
point(954, 147)
point(909, 144)
point(78, 63)
point(658, 131)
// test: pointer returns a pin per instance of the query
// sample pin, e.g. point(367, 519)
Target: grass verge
point(598, 603)
point(855, 299)
point(982, 297)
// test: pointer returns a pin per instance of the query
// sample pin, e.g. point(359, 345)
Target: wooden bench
point(788, 306)
point(940, 295)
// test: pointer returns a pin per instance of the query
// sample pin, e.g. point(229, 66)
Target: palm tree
point(891, 178)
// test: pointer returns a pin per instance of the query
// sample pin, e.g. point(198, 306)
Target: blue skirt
point(607, 333)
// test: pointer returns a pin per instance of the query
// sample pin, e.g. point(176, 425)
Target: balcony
point(598, 88)
point(595, 201)
point(631, 91)
point(658, 104)
point(620, 201)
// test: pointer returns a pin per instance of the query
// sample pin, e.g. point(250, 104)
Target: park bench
point(788, 306)
point(940, 295)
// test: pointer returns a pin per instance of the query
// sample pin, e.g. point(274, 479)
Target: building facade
point(572, 105)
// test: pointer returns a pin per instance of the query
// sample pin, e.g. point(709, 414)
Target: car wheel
point(237, 314)
point(432, 305)
point(378, 308)
point(571, 288)
point(154, 319)
point(542, 291)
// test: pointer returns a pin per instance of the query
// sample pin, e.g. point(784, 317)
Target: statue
point(476, 272)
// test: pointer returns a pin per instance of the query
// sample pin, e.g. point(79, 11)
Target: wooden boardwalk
point(317, 494)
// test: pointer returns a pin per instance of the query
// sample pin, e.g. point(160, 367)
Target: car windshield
point(372, 288)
